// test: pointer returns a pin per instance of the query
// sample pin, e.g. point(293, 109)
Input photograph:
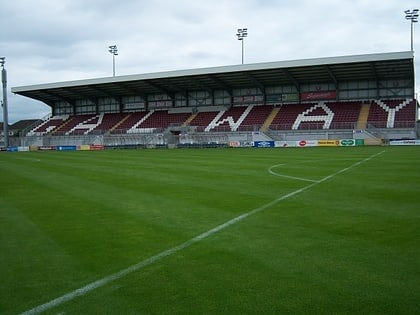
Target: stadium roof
point(397, 65)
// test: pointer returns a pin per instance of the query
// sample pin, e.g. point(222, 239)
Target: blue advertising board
point(66, 148)
point(263, 144)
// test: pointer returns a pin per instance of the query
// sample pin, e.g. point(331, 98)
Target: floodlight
point(413, 16)
point(4, 103)
point(114, 52)
point(242, 33)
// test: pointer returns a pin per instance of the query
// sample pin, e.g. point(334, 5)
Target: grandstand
point(350, 97)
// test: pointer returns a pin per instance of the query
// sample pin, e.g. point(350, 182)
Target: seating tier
point(321, 115)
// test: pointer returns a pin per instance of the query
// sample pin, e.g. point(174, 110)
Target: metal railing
point(197, 134)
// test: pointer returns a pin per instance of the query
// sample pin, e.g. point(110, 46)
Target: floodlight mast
point(114, 52)
point(5, 114)
point(242, 33)
point(413, 16)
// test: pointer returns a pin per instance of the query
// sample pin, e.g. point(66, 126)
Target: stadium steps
point(63, 125)
point(373, 141)
point(363, 116)
point(120, 122)
point(189, 120)
point(270, 119)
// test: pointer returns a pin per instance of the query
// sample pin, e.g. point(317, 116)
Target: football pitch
point(211, 231)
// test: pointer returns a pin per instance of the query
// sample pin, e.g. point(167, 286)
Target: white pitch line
point(270, 170)
point(148, 261)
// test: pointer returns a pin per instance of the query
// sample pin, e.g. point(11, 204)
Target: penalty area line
point(270, 170)
point(149, 261)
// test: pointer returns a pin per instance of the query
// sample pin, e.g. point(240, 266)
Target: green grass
point(347, 245)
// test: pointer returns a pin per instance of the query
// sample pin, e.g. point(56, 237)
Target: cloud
point(50, 41)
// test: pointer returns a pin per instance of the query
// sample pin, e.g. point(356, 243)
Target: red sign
point(47, 148)
point(95, 147)
point(325, 95)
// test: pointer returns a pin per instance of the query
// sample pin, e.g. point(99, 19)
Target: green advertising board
point(352, 142)
point(285, 97)
point(290, 97)
point(360, 142)
point(347, 142)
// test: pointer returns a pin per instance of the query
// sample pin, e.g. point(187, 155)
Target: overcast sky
point(61, 40)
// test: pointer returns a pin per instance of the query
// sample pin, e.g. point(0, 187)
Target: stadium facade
point(361, 97)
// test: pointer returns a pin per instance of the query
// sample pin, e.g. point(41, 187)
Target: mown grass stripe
point(133, 268)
